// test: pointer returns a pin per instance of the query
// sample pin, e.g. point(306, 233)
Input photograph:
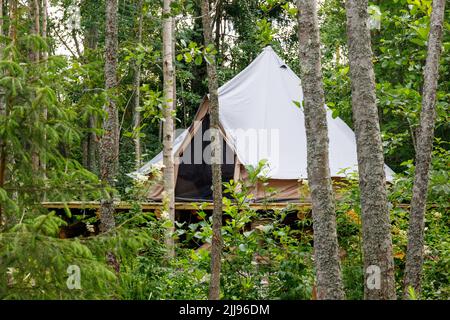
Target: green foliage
point(36, 262)
point(263, 258)
point(436, 265)
point(399, 57)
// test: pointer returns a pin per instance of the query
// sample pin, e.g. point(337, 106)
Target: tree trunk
point(2, 114)
point(326, 251)
point(174, 29)
point(44, 26)
point(216, 158)
point(36, 25)
point(34, 55)
point(45, 111)
point(414, 256)
point(137, 94)
point(109, 150)
point(218, 23)
point(376, 228)
point(91, 140)
point(168, 125)
point(12, 18)
point(92, 144)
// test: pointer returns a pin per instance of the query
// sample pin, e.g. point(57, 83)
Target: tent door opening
point(194, 179)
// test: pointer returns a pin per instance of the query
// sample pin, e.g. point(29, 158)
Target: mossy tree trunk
point(35, 58)
point(216, 156)
point(109, 144)
point(137, 93)
point(376, 228)
point(2, 114)
point(425, 136)
point(326, 251)
point(168, 125)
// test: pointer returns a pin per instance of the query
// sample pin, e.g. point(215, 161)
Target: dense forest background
point(52, 87)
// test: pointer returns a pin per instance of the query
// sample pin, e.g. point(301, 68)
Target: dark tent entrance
point(194, 177)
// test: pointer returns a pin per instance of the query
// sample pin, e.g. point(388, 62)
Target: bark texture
point(13, 18)
point(91, 142)
point(216, 158)
point(92, 148)
point(35, 57)
point(45, 26)
point(2, 114)
point(168, 125)
point(137, 95)
point(376, 229)
point(326, 251)
point(44, 32)
point(109, 151)
point(414, 255)
point(35, 25)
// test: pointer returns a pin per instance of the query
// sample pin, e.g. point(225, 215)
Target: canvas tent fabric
point(261, 118)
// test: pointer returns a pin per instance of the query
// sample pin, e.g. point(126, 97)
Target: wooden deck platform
point(149, 206)
point(79, 206)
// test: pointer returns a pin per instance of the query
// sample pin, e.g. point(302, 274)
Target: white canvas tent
point(261, 118)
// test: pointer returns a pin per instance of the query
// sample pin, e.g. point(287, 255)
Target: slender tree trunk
point(376, 227)
point(36, 25)
point(90, 148)
point(168, 125)
point(137, 94)
point(2, 114)
point(45, 111)
point(2, 90)
point(13, 20)
point(216, 158)
point(218, 23)
point(84, 151)
point(92, 144)
point(35, 14)
point(44, 26)
point(326, 251)
point(174, 92)
point(74, 34)
point(109, 150)
point(414, 256)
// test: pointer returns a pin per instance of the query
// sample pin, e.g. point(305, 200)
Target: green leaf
point(188, 57)
point(418, 41)
point(297, 103)
point(335, 113)
point(198, 60)
point(167, 224)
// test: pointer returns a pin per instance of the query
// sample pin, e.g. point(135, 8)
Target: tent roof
point(261, 119)
point(146, 168)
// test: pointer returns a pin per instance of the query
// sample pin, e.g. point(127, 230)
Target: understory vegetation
point(268, 255)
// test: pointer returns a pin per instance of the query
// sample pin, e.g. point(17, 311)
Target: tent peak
point(261, 120)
